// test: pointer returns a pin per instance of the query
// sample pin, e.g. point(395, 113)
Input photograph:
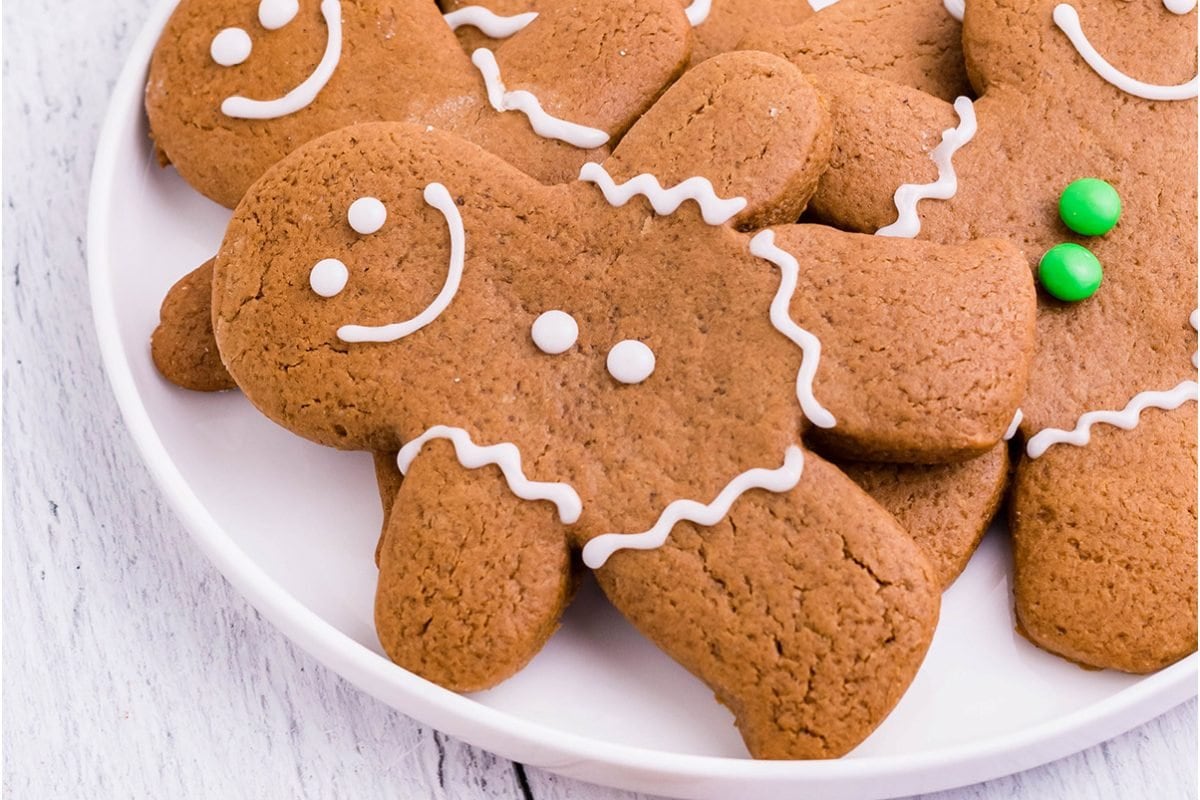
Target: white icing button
point(1179, 6)
point(367, 215)
point(555, 332)
point(231, 47)
point(274, 14)
point(630, 361)
point(328, 277)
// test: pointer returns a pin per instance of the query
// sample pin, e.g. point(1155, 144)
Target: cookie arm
point(883, 137)
point(183, 346)
point(925, 348)
point(782, 605)
point(472, 579)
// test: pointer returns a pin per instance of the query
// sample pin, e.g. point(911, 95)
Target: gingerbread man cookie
point(617, 365)
point(1081, 149)
point(235, 85)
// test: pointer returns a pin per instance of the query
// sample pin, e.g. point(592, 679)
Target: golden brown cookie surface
point(677, 367)
point(183, 347)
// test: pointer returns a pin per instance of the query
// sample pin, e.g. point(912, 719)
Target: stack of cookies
point(757, 312)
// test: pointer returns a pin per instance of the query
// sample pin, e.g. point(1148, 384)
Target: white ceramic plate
point(293, 527)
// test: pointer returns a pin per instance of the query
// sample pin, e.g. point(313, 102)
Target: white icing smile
point(1067, 19)
point(276, 14)
point(439, 197)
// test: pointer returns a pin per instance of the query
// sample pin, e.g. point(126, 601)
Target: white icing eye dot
point(555, 332)
point(230, 47)
point(630, 361)
point(328, 277)
point(274, 14)
point(1179, 6)
point(367, 215)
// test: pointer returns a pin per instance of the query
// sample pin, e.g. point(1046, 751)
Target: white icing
point(715, 210)
point(366, 215)
point(698, 11)
point(554, 332)
point(630, 361)
point(508, 458)
point(1067, 19)
point(328, 277)
point(818, 5)
point(1194, 321)
point(908, 221)
point(763, 246)
point(543, 123)
point(274, 14)
point(1012, 426)
point(306, 92)
point(955, 8)
point(491, 24)
point(231, 47)
point(1125, 419)
point(783, 479)
point(1180, 7)
point(439, 197)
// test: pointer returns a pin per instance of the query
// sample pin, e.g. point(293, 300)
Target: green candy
point(1070, 272)
point(1090, 206)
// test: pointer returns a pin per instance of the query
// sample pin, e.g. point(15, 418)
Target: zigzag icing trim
point(597, 551)
point(543, 123)
point(491, 24)
point(763, 246)
point(504, 455)
point(714, 210)
point(908, 221)
point(1126, 419)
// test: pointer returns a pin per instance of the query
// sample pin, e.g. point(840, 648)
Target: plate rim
point(515, 738)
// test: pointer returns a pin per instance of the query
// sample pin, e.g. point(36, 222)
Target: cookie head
point(1071, 46)
point(357, 260)
point(236, 84)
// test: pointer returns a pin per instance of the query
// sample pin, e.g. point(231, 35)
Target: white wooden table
point(131, 669)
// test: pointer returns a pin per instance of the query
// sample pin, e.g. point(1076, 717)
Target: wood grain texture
point(132, 670)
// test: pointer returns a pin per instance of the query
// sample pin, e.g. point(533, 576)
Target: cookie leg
point(944, 507)
point(472, 580)
point(1104, 540)
point(807, 613)
point(183, 346)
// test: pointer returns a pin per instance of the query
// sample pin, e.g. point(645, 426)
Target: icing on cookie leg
point(508, 458)
point(781, 479)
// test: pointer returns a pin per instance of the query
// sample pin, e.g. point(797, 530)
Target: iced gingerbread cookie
point(235, 85)
point(718, 25)
point(915, 43)
point(628, 365)
point(1081, 149)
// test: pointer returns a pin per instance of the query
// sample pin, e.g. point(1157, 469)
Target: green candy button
point(1090, 206)
point(1070, 272)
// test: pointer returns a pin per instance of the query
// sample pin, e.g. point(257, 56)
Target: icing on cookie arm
point(908, 220)
point(491, 24)
point(543, 123)
point(714, 209)
point(763, 245)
